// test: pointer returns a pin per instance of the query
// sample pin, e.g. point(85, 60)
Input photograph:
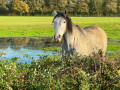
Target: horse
point(85, 41)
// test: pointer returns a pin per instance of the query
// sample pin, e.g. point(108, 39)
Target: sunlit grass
point(25, 20)
point(95, 20)
point(28, 20)
point(42, 26)
point(26, 30)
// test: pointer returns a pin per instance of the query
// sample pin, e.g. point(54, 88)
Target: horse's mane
point(78, 27)
point(68, 21)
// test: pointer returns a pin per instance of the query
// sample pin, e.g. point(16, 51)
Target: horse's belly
point(90, 47)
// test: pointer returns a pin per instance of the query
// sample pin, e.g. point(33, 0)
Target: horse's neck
point(68, 39)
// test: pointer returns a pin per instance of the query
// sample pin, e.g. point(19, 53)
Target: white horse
point(85, 41)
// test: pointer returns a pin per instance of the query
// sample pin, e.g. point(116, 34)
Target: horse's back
point(94, 30)
point(96, 37)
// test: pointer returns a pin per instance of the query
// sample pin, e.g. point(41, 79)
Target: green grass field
point(43, 26)
point(17, 26)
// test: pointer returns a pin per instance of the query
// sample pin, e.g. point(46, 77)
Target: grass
point(26, 30)
point(22, 20)
point(42, 26)
point(56, 49)
point(2, 53)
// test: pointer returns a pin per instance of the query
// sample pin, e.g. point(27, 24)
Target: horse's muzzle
point(57, 38)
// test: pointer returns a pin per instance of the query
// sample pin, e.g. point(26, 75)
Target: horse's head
point(59, 25)
point(62, 24)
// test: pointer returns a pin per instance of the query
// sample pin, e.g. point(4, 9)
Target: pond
point(26, 49)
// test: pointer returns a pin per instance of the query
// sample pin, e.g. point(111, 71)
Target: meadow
point(75, 73)
point(16, 26)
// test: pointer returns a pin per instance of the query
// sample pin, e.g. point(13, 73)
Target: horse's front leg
point(63, 50)
point(67, 50)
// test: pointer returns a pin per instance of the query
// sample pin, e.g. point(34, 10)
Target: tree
point(110, 7)
point(55, 5)
point(96, 7)
point(20, 7)
point(3, 6)
point(63, 4)
point(73, 7)
point(36, 6)
point(118, 7)
point(82, 8)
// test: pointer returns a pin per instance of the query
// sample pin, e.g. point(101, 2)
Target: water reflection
point(25, 48)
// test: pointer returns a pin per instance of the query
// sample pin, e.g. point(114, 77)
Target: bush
point(54, 73)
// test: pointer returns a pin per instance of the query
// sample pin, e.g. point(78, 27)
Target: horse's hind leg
point(102, 54)
point(103, 58)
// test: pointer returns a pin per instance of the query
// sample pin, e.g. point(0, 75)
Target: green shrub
point(54, 73)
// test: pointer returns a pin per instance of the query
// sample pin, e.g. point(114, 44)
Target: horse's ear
point(65, 12)
point(55, 13)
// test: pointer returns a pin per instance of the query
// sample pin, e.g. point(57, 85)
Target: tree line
point(73, 7)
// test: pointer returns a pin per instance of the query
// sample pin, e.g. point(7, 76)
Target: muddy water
point(25, 49)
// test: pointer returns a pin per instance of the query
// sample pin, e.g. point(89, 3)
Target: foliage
point(82, 8)
point(53, 73)
point(3, 7)
point(111, 7)
point(55, 4)
point(96, 7)
point(74, 7)
point(118, 7)
point(20, 6)
point(36, 6)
